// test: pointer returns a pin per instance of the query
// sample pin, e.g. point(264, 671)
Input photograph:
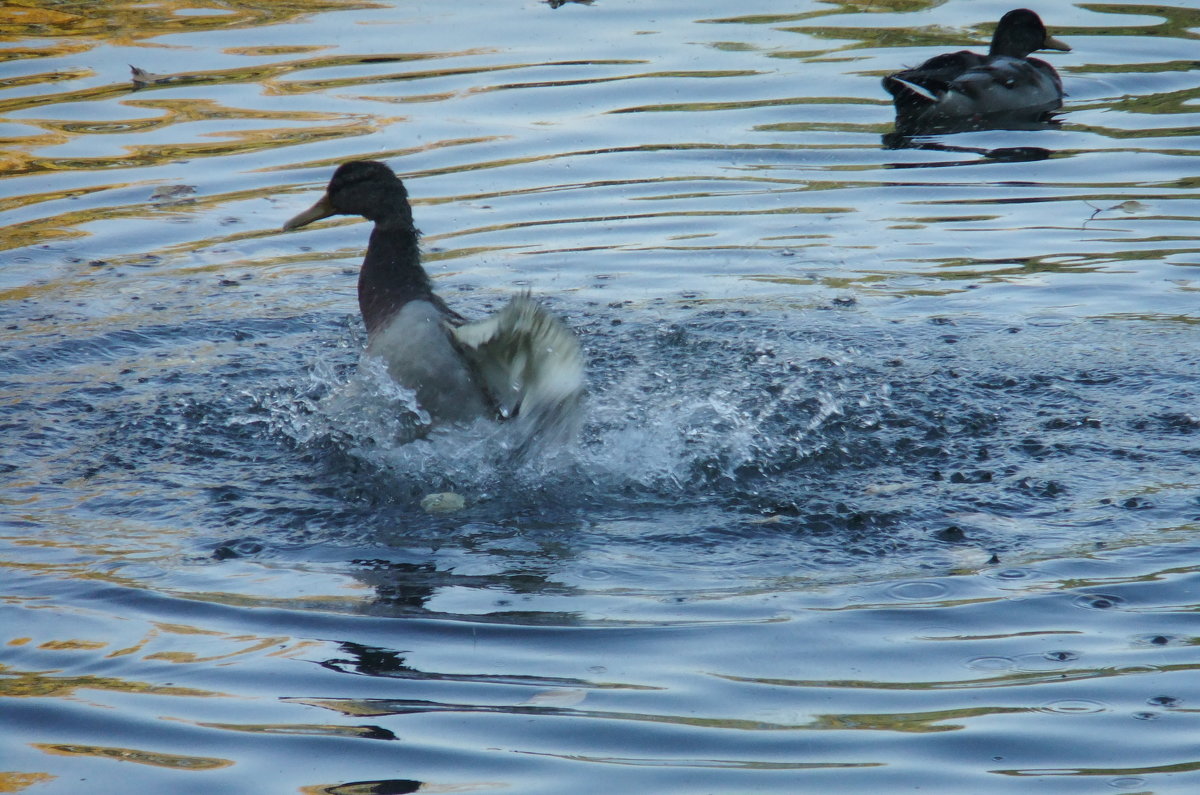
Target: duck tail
point(908, 92)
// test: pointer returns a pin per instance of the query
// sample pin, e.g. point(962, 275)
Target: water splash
point(852, 440)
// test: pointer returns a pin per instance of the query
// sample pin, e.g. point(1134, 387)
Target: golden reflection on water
point(16, 781)
point(140, 756)
point(129, 22)
point(40, 684)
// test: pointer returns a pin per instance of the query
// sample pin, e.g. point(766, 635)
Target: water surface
point(888, 472)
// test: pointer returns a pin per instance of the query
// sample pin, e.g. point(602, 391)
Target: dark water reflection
point(888, 478)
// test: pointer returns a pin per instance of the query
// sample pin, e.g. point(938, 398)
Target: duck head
point(1021, 32)
point(360, 187)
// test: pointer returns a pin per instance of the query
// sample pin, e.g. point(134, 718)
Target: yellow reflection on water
point(127, 22)
point(39, 684)
point(15, 781)
point(72, 645)
point(174, 761)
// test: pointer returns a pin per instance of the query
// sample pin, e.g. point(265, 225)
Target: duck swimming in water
point(958, 88)
point(521, 361)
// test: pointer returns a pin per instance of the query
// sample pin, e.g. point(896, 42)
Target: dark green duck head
point(1021, 32)
point(361, 187)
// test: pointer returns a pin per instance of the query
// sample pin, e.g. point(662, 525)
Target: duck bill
point(322, 209)
point(1052, 43)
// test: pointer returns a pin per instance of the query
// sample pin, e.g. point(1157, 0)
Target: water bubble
point(1127, 782)
point(1135, 669)
point(1155, 640)
point(1010, 574)
point(991, 663)
point(936, 633)
point(1166, 702)
point(917, 590)
point(1045, 661)
point(1098, 601)
point(1073, 706)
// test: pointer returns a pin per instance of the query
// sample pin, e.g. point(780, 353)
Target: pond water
point(889, 476)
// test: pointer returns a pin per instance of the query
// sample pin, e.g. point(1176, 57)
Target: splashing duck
point(521, 361)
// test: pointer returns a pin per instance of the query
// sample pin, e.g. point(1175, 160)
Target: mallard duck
point(520, 361)
point(965, 85)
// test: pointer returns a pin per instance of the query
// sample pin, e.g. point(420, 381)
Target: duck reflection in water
point(1007, 154)
point(961, 91)
point(521, 362)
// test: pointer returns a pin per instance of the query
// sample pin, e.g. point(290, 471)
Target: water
point(888, 473)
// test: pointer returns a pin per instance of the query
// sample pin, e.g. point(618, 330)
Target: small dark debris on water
point(845, 300)
point(1032, 447)
point(1041, 488)
point(229, 283)
point(1164, 701)
point(977, 476)
point(951, 535)
point(172, 194)
point(237, 548)
point(1064, 423)
point(143, 78)
point(1088, 378)
point(1169, 421)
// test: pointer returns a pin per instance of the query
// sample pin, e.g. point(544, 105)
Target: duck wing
point(925, 84)
point(526, 359)
point(1005, 84)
